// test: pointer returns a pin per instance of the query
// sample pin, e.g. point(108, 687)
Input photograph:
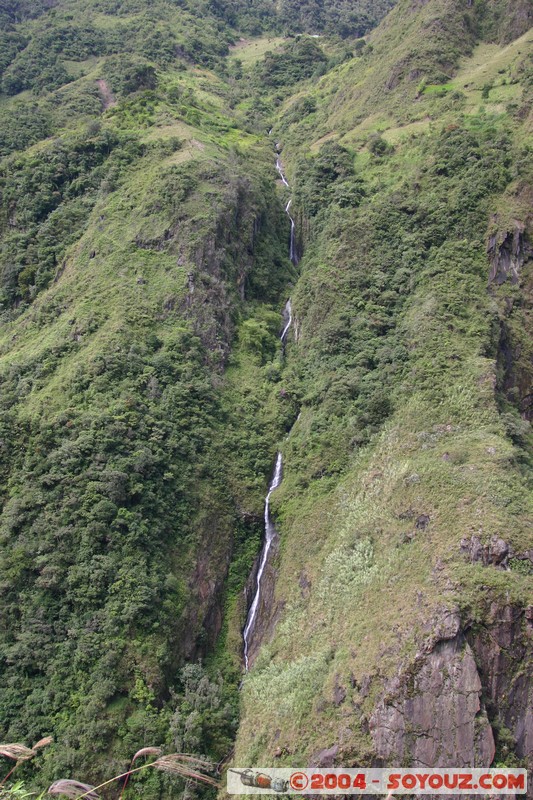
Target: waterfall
point(270, 533)
point(270, 530)
point(292, 251)
point(288, 317)
point(281, 173)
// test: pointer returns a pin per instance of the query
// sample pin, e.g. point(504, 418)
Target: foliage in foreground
point(189, 769)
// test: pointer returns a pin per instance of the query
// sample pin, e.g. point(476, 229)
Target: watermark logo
point(377, 781)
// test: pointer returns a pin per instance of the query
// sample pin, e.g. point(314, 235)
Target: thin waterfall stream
point(277, 476)
point(288, 317)
point(270, 533)
point(292, 252)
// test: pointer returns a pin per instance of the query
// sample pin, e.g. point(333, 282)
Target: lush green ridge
point(411, 437)
point(134, 244)
point(143, 252)
point(143, 266)
point(116, 441)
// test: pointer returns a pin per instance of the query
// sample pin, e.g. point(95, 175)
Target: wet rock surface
point(268, 612)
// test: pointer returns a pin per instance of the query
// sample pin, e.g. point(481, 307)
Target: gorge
point(270, 530)
point(182, 567)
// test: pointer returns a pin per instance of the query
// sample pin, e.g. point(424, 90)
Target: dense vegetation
point(136, 240)
point(343, 18)
point(410, 434)
point(144, 392)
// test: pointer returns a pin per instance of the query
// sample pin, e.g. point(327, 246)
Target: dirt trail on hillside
point(108, 98)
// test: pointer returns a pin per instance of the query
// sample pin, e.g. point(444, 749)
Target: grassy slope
point(120, 360)
point(360, 582)
point(115, 325)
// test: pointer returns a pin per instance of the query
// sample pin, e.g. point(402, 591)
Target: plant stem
point(126, 781)
point(116, 778)
point(11, 771)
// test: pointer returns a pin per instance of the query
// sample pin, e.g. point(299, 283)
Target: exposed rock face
point(222, 263)
point(504, 654)
point(422, 522)
point(339, 692)
point(470, 694)
point(495, 553)
point(435, 716)
point(513, 19)
point(324, 758)
point(507, 251)
point(510, 252)
point(204, 614)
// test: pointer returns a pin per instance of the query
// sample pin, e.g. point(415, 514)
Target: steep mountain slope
point(399, 630)
point(135, 241)
point(144, 264)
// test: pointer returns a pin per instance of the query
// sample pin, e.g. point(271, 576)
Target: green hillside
point(411, 167)
point(140, 230)
point(144, 392)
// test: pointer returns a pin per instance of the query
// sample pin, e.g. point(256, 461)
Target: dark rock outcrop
point(503, 650)
point(467, 695)
point(507, 252)
point(324, 758)
point(495, 553)
point(433, 715)
point(422, 522)
point(339, 692)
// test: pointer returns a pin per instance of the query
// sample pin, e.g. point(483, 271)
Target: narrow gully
point(277, 476)
point(270, 533)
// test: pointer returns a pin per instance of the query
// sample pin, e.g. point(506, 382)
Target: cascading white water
point(281, 173)
point(270, 531)
point(288, 317)
point(292, 251)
